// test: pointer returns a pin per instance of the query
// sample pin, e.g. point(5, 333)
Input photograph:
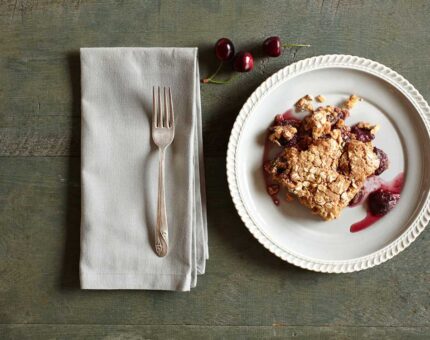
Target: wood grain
point(247, 292)
point(40, 65)
point(162, 332)
point(251, 287)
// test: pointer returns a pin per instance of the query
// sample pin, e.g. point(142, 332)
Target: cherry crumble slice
point(324, 162)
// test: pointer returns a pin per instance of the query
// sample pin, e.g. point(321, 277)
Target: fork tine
point(172, 114)
point(154, 108)
point(166, 111)
point(160, 110)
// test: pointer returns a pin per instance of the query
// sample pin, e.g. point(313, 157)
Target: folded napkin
point(120, 170)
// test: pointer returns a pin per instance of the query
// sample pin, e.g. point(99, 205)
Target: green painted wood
point(246, 290)
point(40, 66)
point(165, 332)
point(39, 282)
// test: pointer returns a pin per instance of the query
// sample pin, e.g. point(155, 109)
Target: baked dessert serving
point(323, 162)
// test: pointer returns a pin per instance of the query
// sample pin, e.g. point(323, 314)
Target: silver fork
point(163, 132)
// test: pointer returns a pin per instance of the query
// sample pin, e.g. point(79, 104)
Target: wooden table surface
point(247, 292)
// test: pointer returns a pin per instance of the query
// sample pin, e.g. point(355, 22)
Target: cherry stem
point(295, 45)
point(213, 81)
point(210, 78)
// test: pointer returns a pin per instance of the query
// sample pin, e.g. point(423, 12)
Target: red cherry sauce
point(365, 222)
point(374, 183)
point(270, 151)
point(270, 185)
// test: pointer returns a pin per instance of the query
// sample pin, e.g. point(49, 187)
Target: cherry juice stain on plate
point(287, 115)
point(372, 184)
point(270, 151)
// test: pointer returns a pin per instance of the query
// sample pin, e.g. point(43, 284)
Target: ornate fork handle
point(161, 237)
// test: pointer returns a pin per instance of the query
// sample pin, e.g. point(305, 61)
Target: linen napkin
point(119, 170)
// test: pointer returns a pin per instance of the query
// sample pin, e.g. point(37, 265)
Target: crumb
point(351, 102)
point(304, 104)
point(320, 98)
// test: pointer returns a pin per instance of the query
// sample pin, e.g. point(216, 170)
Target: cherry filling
point(287, 119)
point(358, 198)
point(382, 201)
point(379, 201)
point(361, 134)
point(304, 138)
point(383, 161)
point(340, 114)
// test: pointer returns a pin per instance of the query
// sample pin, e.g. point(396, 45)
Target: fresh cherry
point(382, 201)
point(243, 62)
point(224, 49)
point(383, 161)
point(272, 46)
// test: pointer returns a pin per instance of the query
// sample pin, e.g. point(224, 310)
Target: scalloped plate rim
point(415, 228)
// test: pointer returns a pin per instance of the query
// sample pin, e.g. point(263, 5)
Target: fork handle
point(162, 232)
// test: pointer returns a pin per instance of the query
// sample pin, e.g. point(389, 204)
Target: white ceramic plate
point(290, 231)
